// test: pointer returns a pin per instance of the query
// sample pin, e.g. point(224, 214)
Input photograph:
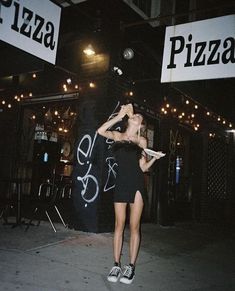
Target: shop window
point(47, 142)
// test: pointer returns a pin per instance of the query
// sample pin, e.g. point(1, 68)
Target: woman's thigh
point(120, 213)
point(136, 210)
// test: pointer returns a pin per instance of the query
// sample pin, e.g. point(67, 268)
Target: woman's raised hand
point(126, 110)
point(130, 110)
point(123, 111)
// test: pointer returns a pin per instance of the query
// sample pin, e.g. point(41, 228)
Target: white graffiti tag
point(90, 185)
point(111, 173)
point(110, 180)
point(89, 182)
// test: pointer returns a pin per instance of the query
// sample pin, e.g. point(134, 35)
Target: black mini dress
point(130, 177)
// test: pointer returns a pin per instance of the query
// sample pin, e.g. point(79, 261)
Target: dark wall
point(94, 165)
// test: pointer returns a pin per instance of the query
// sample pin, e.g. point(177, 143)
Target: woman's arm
point(104, 128)
point(145, 164)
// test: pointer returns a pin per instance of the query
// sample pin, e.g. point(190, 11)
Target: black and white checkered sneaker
point(114, 274)
point(128, 274)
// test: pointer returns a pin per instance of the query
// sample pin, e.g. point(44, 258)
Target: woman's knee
point(134, 227)
point(119, 225)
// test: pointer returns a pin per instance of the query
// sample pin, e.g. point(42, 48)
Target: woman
point(132, 163)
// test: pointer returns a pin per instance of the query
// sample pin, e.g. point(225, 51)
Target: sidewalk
point(186, 257)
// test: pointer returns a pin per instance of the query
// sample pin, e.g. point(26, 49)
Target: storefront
point(50, 113)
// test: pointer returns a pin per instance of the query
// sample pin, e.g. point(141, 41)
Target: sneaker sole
point(125, 281)
point(113, 280)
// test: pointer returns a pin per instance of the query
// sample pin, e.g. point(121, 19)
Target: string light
point(92, 85)
point(182, 111)
point(191, 116)
point(65, 88)
point(69, 81)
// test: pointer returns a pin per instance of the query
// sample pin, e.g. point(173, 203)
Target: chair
point(64, 197)
point(66, 191)
point(44, 204)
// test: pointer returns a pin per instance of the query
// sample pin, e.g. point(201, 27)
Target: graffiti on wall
point(88, 180)
point(88, 176)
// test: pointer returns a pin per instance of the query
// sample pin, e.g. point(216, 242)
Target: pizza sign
point(32, 26)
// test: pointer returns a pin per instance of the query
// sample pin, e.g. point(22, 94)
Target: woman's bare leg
point(136, 209)
point(120, 218)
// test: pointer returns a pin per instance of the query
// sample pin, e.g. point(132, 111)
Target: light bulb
point(89, 50)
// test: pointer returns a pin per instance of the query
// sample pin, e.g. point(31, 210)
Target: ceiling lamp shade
point(128, 54)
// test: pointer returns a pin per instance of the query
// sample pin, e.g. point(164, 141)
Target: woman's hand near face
point(123, 111)
point(126, 110)
point(130, 110)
